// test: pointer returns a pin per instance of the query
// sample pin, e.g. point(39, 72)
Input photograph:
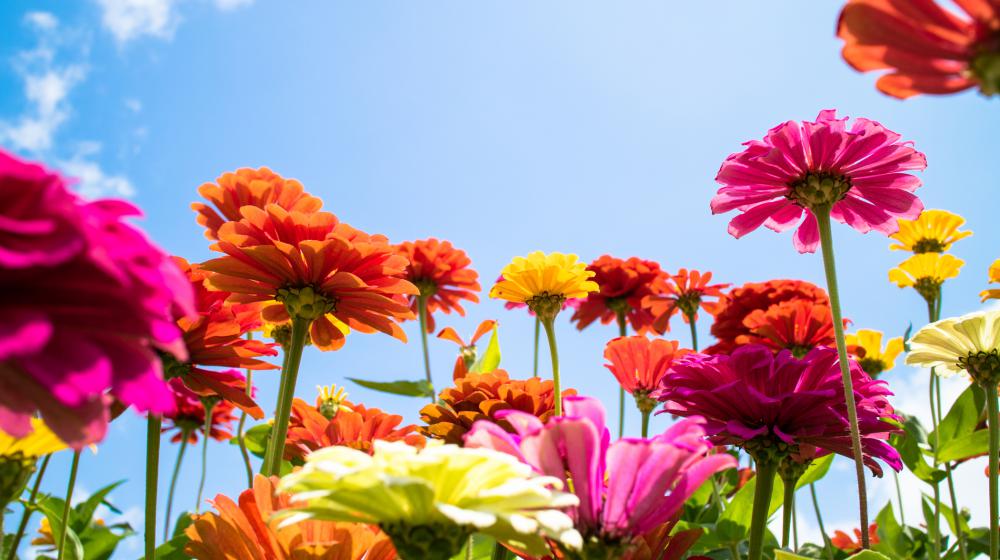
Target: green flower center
point(602, 548)
point(928, 245)
point(872, 366)
point(819, 189)
point(928, 287)
point(282, 334)
point(792, 470)
point(305, 302)
point(619, 305)
point(546, 306)
point(644, 402)
point(688, 303)
point(172, 367)
point(986, 68)
point(983, 367)
point(799, 351)
point(768, 449)
point(427, 287)
point(426, 542)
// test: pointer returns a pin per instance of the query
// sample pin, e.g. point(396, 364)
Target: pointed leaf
point(83, 513)
point(419, 388)
point(962, 418)
point(816, 471)
point(964, 447)
point(490, 359)
point(868, 555)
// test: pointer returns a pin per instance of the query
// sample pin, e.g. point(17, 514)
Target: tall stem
point(623, 331)
point(276, 445)
point(422, 311)
point(265, 466)
point(152, 473)
point(899, 497)
point(935, 527)
point(209, 407)
point(645, 423)
point(694, 332)
point(829, 267)
point(499, 552)
point(956, 515)
point(766, 471)
point(240, 435)
point(787, 507)
point(993, 417)
point(67, 507)
point(538, 328)
point(173, 484)
point(550, 334)
point(795, 526)
point(819, 521)
point(28, 510)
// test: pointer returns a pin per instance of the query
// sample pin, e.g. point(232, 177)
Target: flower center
point(986, 68)
point(799, 351)
point(172, 367)
point(928, 287)
point(819, 189)
point(430, 542)
point(984, 367)
point(618, 304)
point(305, 302)
point(688, 303)
point(546, 306)
point(768, 449)
point(282, 334)
point(872, 366)
point(791, 470)
point(427, 287)
point(928, 245)
point(643, 401)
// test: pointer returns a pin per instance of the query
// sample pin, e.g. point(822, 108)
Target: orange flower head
point(640, 364)
point(249, 187)
point(926, 46)
point(352, 426)
point(244, 530)
point(442, 274)
point(796, 325)
point(479, 396)
point(624, 283)
point(314, 268)
point(850, 545)
point(738, 303)
point(466, 350)
point(188, 420)
point(685, 292)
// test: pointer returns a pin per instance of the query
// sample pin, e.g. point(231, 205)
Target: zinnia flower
point(778, 404)
point(926, 47)
point(926, 272)
point(858, 174)
point(969, 344)
point(623, 284)
point(866, 347)
point(482, 397)
point(442, 274)
point(994, 274)
point(466, 350)
point(933, 231)
point(850, 545)
point(733, 308)
point(796, 325)
point(430, 501)
point(351, 425)
point(640, 364)
point(188, 418)
point(18, 456)
point(685, 291)
point(244, 530)
point(87, 304)
point(544, 282)
point(249, 187)
point(626, 488)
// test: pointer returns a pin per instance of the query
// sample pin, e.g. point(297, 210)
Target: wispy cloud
point(92, 180)
point(226, 5)
point(131, 19)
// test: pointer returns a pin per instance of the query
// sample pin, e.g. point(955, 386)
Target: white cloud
point(92, 180)
point(131, 19)
point(44, 21)
point(226, 5)
point(133, 105)
point(46, 89)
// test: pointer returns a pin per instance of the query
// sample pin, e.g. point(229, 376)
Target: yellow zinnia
point(866, 345)
point(932, 232)
point(994, 274)
point(544, 281)
point(925, 272)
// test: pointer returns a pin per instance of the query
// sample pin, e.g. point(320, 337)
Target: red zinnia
point(351, 425)
point(926, 47)
point(189, 417)
point(797, 325)
point(623, 285)
point(442, 274)
point(640, 364)
point(685, 291)
point(740, 302)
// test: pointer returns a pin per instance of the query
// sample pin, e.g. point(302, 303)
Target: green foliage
point(482, 549)
point(420, 388)
point(86, 538)
point(957, 437)
point(910, 445)
point(255, 439)
point(490, 360)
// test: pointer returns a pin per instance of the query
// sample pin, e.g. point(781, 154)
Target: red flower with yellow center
point(738, 303)
point(350, 425)
point(442, 274)
point(189, 417)
point(315, 268)
point(685, 292)
point(480, 397)
point(249, 187)
point(624, 283)
point(796, 325)
point(926, 46)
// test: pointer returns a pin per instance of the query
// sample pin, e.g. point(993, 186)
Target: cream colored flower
point(959, 344)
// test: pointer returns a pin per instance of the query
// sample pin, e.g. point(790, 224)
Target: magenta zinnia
point(858, 174)
point(87, 304)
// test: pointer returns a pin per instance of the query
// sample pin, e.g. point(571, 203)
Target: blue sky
point(504, 127)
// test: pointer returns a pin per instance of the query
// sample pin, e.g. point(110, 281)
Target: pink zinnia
point(626, 488)
point(87, 303)
point(757, 400)
point(857, 174)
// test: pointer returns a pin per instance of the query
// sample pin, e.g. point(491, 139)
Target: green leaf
point(972, 445)
point(100, 542)
point(172, 549)
point(482, 548)
point(183, 522)
point(892, 540)
point(83, 514)
point(255, 439)
point(963, 417)
point(868, 555)
point(734, 523)
point(816, 471)
point(52, 507)
point(908, 444)
point(929, 518)
point(419, 388)
point(490, 360)
point(949, 515)
point(906, 337)
point(780, 554)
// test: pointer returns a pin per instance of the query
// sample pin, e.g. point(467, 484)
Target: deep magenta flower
point(87, 303)
point(753, 397)
point(857, 172)
point(626, 488)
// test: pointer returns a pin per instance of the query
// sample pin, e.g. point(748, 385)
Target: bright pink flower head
point(188, 418)
point(87, 302)
point(753, 395)
point(860, 172)
point(626, 488)
point(640, 364)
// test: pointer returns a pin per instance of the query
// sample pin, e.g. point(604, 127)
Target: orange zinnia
point(245, 531)
point(927, 47)
point(312, 266)
point(249, 187)
point(844, 542)
point(733, 308)
point(466, 351)
point(685, 291)
point(442, 274)
point(480, 397)
point(351, 425)
point(623, 286)
point(640, 364)
point(797, 325)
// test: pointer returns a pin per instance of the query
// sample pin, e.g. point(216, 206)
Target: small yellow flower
point(41, 441)
point(866, 345)
point(544, 282)
point(932, 232)
point(331, 400)
point(994, 273)
point(925, 272)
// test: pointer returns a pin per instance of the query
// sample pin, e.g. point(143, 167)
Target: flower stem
point(28, 510)
point(993, 418)
point(694, 332)
point(240, 435)
point(538, 328)
point(645, 423)
point(422, 311)
point(819, 521)
point(899, 497)
point(282, 389)
point(276, 445)
point(67, 507)
point(829, 267)
point(499, 552)
point(152, 473)
point(209, 406)
point(935, 528)
point(550, 334)
point(956, 515)
point(173, 484)
point(766, 471)
point(623, 331)
point(788, 506)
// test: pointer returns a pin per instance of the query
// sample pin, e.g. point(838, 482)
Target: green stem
point(829, 267)
point(173, 484)
point(240, 435)
point(819, 521)
point(899, 497)
point(993, 417)
point(276, 445)
point(734, 551)
point(795, 526)
point(422, 312)
point(623, 331)
point(787, 507)
point(28, 510)
point(209, 407)
point(956, 515)
point(550, 334)
point(694, 332)
point(538, 328)
point(499, 552)
point(265, 467)
point(645, 423)
point(152, 473)
point(67, 507)
point(935, 527)
point(934, 398)
point(766, 471)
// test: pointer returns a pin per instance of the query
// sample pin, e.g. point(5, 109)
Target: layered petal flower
point(442, 274)
point(640, 364)
point(624, 284)
point(796, 325)
point(188, 418)
point(544, 281)
point(350, 425)
point(866, 347)
point(934, 231)
point(926, 272)
point(684, 292)
point(969, 344)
